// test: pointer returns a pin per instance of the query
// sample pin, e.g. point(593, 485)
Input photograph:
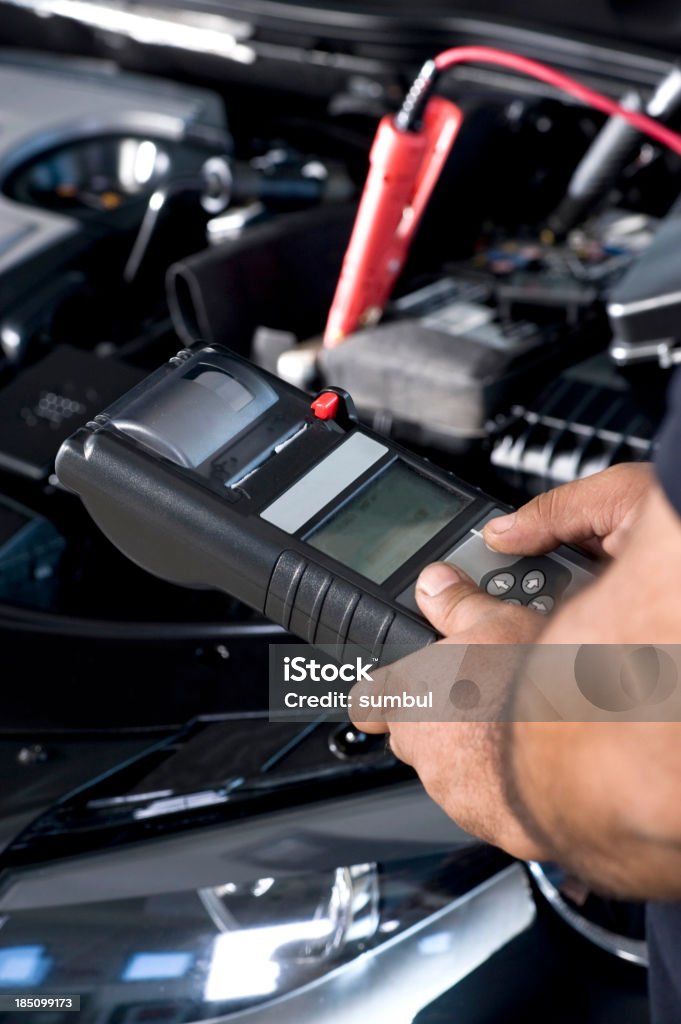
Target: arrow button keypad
point(533, 582)
point(501, 584)
point(536, 583)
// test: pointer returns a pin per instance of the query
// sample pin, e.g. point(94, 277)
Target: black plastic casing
point(186, 524)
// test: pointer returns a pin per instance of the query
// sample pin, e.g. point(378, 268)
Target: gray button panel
point(527, 580)
point(470, 554)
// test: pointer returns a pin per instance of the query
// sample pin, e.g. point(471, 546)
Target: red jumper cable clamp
point(404, 168)
point(407, 156)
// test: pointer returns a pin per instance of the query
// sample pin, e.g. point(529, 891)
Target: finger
point(379, 706)
point(573, 513)
point(450, 599)
point(363, 716)
point(424, 678)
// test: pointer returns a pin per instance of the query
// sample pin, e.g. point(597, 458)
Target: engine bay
point(140, 215)
point(200, 188)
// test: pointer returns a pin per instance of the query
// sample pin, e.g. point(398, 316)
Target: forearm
point(586, 804)
point(603, 796)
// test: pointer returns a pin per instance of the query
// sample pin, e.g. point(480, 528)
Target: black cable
point(30, 620)
point(156, 207)
point(613, 148)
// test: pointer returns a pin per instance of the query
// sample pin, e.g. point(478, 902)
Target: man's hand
point(612, 833)
point(606, 793)
point(458, 761)
point(597, 513)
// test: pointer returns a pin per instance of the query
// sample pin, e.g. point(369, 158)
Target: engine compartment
point(492, 358)
point(145, 212)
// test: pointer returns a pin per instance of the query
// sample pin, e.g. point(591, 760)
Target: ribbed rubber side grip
point(309, 601)
point(323, 610)
point(284, 582)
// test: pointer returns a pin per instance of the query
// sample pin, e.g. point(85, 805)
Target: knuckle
point(621, 469)
point(614, 482)
point(454, 597)
point(528, 515)
point(628, 470)
point(397, 746)
point(546, 505)
point(624, 478)
point(465, 604)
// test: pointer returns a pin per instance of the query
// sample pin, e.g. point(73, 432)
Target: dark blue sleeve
point(668, 457)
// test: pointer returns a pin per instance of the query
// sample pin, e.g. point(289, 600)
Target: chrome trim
point(634, 951)
point(194, 31)
point(617, 310)
point(667, 353)
point(401, 977)
point(154, 125)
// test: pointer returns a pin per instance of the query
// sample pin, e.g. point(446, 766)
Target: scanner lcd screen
point(387, 522)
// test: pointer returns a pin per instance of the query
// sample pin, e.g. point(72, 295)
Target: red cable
point(404, 168)
point(532, 68)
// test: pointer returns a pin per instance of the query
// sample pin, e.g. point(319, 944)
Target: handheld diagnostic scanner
point(213, 473)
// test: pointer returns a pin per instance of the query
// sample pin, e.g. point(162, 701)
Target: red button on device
point(326, 406)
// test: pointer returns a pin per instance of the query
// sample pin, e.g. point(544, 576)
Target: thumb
point(450, 600)
point(582, 512)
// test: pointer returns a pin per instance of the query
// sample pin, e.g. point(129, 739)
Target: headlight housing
point(327, 945)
